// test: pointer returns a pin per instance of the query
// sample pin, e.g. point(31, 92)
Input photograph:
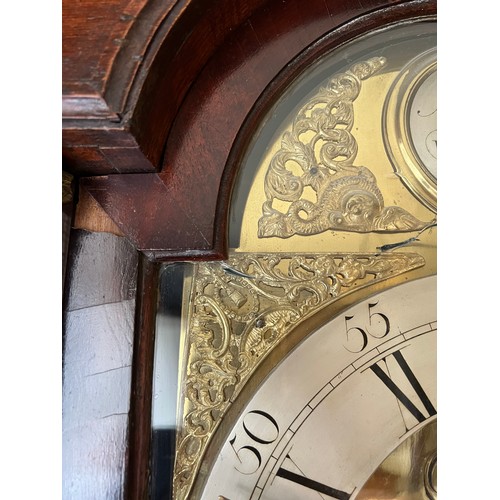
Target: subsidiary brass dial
point(409, 472)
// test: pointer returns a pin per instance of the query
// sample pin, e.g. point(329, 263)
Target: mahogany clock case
point(144, 157)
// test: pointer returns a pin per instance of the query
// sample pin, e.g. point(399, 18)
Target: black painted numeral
point(249, 456)
point(402, 397)
point(378, 327)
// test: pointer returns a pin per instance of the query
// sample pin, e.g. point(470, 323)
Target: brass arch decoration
point(239, 314)
point(321, 144)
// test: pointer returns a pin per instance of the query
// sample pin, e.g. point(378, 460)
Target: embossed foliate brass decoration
point(318, 153)
point(238, 317)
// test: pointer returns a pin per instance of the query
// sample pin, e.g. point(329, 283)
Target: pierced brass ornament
point(320, 144)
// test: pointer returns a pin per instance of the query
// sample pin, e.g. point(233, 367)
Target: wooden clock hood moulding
point(157, 135)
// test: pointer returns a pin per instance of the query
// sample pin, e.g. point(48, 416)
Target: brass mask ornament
point(321, 143)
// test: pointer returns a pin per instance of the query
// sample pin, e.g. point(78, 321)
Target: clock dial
point(339, 405)
point(410, 126)
point(422, 116)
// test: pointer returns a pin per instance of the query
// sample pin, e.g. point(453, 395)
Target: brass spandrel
point(239, 312)
point(377, 206)
point(321, 142)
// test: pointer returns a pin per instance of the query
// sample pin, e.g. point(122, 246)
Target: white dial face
point(423, 122)
point(410, 126)
point(338, 405)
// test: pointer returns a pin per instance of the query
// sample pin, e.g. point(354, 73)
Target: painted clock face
point(354, 395)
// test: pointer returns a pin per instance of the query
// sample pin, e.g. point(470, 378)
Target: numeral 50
point(260, 428)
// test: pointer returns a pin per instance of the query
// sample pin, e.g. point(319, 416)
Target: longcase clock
point(275, 164)
point(308, 356)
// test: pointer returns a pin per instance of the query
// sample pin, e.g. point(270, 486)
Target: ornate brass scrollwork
point(321, 146)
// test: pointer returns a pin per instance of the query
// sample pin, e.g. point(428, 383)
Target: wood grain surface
point(98, 330)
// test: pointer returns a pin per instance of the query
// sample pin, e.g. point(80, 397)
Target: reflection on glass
point(165, 380)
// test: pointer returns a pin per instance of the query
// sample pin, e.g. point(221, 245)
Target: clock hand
point(230, 270)
point(399, 244)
